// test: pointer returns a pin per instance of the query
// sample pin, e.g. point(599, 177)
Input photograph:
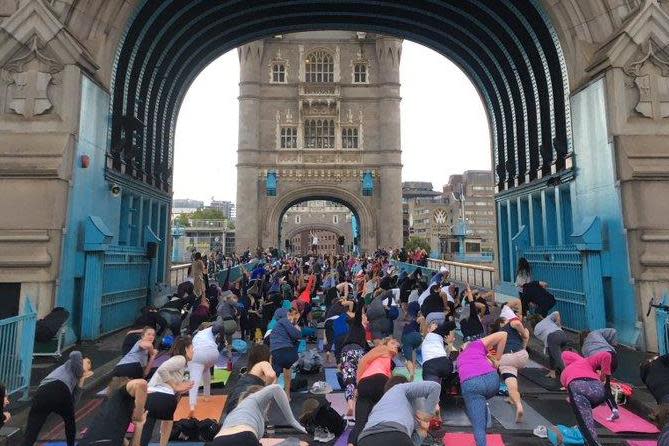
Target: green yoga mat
point(220, 376)
point(403, 371)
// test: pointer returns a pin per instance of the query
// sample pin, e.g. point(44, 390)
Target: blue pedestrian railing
point(662, 323)
point(17, 339)
point(236, 272)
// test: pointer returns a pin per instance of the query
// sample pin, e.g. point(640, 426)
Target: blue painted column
point(588, 238)
point(544, 218)
point(530, 218)
point(510, 235)
point(558, 216)
point(97, 238)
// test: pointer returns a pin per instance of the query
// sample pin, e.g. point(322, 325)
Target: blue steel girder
point(216, 47)
point(510, 113)
point(521, 86)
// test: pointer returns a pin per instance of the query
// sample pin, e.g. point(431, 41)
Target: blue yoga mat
point(331, 378)
point(282, 382)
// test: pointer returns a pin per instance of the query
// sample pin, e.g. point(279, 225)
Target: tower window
point(279, 73)
point(319, 134)
point(288, 137)
point(360, 73)
point(349, 138)
point(319, 67)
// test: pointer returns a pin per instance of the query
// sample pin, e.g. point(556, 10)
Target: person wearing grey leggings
point(479, 380)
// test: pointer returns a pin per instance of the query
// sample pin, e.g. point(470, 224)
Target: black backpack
point(48, 327)
point(325, 417)
point(185, 430)
point(208, 429)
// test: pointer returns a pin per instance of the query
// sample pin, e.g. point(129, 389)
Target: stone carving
point(29, 75)
point(650, 76)
point(349, 115)
point(289, 116)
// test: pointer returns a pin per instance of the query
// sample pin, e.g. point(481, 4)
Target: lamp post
point(177, 247)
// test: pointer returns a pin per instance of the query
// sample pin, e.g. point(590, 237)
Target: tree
point(182, 220)
point(231, 225)
point(416, 242)
point(207, 214)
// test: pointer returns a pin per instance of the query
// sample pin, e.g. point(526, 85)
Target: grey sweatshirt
point(547, 326)
point(602, 340)
point(69, 373)
point(396, 411)
point(251, 411)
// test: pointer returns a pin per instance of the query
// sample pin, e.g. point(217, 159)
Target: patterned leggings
point(584, 394)
point(349, 369)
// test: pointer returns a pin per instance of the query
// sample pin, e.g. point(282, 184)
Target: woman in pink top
point(479, 380)
point(374, 370)
point(583, 379)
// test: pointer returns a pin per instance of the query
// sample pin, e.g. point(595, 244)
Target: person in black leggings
point(57, 393)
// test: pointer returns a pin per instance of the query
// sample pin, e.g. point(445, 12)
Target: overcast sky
point(444, 125)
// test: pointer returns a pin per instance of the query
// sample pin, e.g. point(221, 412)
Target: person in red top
point(583, 378)
point(305, 295)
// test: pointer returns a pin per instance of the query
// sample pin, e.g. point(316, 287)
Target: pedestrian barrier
point(476, 275)
point(178, 274)
point(17, 338)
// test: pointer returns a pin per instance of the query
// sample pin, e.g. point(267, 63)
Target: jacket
point(284, 334)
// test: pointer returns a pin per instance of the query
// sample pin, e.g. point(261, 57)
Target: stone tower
point(319, 118)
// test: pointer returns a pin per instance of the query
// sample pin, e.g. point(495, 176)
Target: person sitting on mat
point(514, 357)
point(137, 363)
point(283, 342)
point(603, 340)
point(58, 393)
point(167, 383)
point(479, 380)
point(259, 373)
point(549, 332)
point(402, 416)
point(245, 425)
point(125, 403)
point(582, 377)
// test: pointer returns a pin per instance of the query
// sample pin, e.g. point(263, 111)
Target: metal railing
point(475, 275)
point(17, 340)
point(178, 274)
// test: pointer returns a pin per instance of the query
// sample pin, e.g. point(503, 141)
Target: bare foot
point(508, 400)
point(191, 414)
point(551, 374)
point(519, 413)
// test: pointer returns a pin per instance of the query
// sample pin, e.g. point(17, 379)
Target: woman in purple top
point(479, 380)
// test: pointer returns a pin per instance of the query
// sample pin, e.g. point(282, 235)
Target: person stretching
point(549, 331)
point(125, 403)
point(586, 389)
point(228, 315)
point(164, 387)
point(479, 380)
point(260, 373)
point(245, 425)
point(402, 416)
point(374, 370)
point(57, 393)
point(205, 356)
point(437, 364)
point(604, 340)
point(137, 363)
point(515, 357)
point(283, 341)
point(353, 349)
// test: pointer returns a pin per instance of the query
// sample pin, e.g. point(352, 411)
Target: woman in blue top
point(283, 342)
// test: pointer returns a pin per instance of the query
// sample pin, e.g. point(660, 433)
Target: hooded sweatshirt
point(69, 373)
point(578, 367)
point(284, 334)
point(602, 340)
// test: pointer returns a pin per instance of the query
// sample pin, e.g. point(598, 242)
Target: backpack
point(325, 417)
point(185, 430)
point(310, 362)
point(207, 429)
point(48, 326)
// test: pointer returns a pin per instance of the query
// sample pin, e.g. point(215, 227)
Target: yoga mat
point(466, 439)
point(642, 442)
point(628, 422)
point(160, 359)
point(455, 415)
point(207, 407)
point(277, 441)
point(331, 378)
point(338, 402)
point(505, 413)
point(220, 376)
point(534, 365)
point(343, 438)
point(281, 381)
point(223, 359)
point(403, 371)
point(538, 377)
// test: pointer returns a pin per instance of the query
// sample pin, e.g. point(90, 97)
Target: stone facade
point(326, 219)
point(274, 133)
point(51, 51)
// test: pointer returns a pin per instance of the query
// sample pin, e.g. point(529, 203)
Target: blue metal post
point(558, 216)
point(97, 238)
point(530, 218)
point(544, 217)
point(510, 239)
point(27, 346)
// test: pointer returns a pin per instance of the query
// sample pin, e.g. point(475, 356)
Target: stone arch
point(358, 206)
point(316, 227)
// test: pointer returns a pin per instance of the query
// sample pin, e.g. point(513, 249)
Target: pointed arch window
point(360, 73)
point(319, 134)
point(319, 67)
point(278, 73)
point(349, 138)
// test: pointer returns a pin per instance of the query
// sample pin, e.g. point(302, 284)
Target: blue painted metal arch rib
point(519, 90)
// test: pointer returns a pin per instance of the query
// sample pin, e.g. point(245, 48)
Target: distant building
point(434, 215)
point(185, 206)
point(226, 207)
point(325, 219)
point(208, 235)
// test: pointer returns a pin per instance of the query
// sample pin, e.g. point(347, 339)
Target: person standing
point(283, 341)
point(228, 315)
point(479, 380)
point(164, 389)
point(197, 271)
point(57, 393)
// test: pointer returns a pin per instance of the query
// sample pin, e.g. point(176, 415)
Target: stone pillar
point(389, 208)
point(248, 212)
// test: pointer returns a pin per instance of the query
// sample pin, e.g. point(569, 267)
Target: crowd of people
point(374, 315)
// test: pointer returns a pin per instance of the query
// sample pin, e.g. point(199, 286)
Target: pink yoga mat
point(465, 439)
point(628, 422)
point(642, 442)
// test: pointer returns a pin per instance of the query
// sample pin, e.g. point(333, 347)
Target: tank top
point(514, 343)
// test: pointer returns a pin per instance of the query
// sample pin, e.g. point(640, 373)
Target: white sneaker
point(540, 431)
point(323, 435)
